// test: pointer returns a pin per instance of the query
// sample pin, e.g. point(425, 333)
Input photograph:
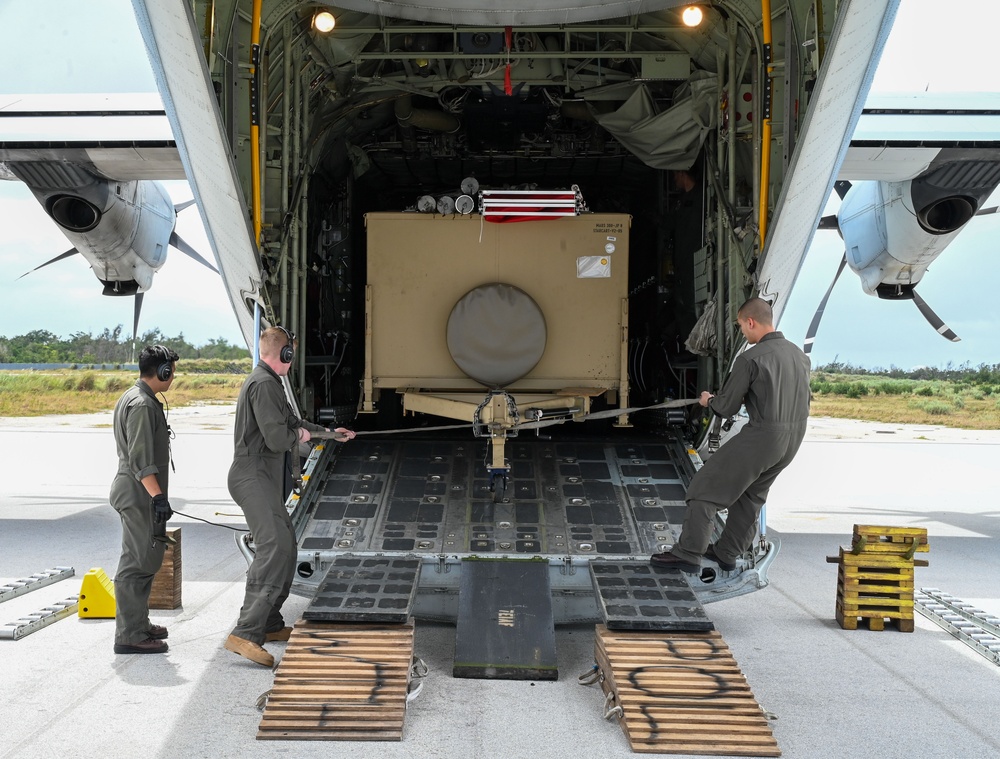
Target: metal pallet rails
point(36, 581)
point(29, 624)
point(974, 627)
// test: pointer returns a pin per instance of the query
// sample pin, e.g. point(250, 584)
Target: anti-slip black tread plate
point(565, 497)
point(369, 589)
point(638, 596)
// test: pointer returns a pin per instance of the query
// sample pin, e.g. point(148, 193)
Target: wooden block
point(341, 681)
point(681, 693)
point(847, 623)
point(166, 591)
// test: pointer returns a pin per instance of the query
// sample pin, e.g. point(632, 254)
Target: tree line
point(965, 373)
point(109, 347)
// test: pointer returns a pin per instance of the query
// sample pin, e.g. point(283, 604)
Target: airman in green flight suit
point(266, 429)
point(139, 495)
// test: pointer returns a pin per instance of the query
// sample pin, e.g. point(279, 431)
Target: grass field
point(74, 391)
point(959, 404)
point(901, 401)
point(972, 415)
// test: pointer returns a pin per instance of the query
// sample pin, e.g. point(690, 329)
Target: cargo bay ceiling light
point(692, 15)
point(323, 22)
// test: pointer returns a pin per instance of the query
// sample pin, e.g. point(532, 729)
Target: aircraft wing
point(900, 137)
point(855, 47)
point(175, 49)
point(121, 137)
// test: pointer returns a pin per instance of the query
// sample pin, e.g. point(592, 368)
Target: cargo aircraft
point(537, 221)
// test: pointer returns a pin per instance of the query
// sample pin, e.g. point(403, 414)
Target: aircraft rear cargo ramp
point(497, 325)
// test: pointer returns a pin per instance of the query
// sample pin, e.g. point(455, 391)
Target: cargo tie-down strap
point(608, 414)
point(296, 462)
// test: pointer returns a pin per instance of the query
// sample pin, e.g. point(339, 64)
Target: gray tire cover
point(496, 334)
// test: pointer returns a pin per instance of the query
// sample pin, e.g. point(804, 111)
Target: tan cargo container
point(575, 269)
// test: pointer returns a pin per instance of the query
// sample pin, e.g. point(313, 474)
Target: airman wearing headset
point(139, 495)
point(266, 428)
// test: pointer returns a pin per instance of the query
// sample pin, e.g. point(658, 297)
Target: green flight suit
point(772, 380)
point(143, 443)
point(266, 429)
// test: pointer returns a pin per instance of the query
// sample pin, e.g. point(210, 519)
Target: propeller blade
point(135, 319)
point(828, 222)
point(183, 247)
point(935, 321)
point(985, 211)
point(67, 254)
point(841, 187)
point(181, 206)
point(807, 346)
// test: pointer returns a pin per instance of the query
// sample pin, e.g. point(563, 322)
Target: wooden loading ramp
point(343, 682)
point(680, 692)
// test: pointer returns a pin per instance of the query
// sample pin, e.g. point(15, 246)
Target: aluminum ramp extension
point(680, 693)
point(505, 626)
point(344, 682)
point(36, 581)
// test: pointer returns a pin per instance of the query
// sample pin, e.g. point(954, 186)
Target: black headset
point(288, 351)
point(165, 370)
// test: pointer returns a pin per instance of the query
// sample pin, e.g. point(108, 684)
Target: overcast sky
point(96, 47)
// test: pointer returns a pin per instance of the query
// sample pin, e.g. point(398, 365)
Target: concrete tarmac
point(833, 693)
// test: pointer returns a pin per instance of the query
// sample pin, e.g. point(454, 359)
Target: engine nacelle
point(129, 242)
point(889, 243)
point(123, 229)
point(893, 231)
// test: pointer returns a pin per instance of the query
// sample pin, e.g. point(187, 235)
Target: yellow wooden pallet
point(681, 693)
point(875, 559)
point(340, 682)
point(896, 535)
point(875, 576)
point(875, 602)
point(856, 579)
point(900, 541)
point(849, 619)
